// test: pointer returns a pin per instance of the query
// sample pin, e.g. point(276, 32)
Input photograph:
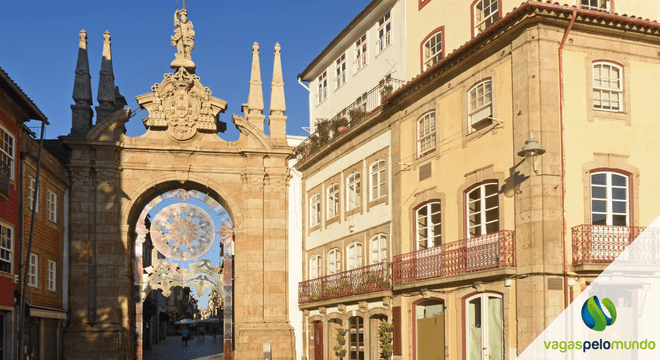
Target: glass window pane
point(619, 220)
point(599, 179)
point(619, 194)
point(618, 180)
point(491, 215)
point(492, 227)
point(491, 202)
point(495, 328)
point(599, 219)
point(491, 189)
point(598, 192)
point(598, 206)
point(619, 207)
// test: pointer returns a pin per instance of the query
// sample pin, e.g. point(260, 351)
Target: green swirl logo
point(594, 316)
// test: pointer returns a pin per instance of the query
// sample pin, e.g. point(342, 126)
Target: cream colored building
point(489, 236)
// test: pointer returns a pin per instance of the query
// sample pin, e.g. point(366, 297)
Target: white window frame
point(433, 50)
point(334, 261)
point(484, 323)
point(7, 246)
point(481, 103)
point(384, 33)
point(354, 255)
point(33, 270)
point(32, 182)
point(52, 275)
point(481, 209)
point(340, 71)
point(332, 201)
point(361, 54)
point(315, 210)
point(8, 150)
point(315, 267)
point(378, 179)
point(378, 248)
point(322, 87)
point(426, 137)
point(427, 231)
point(612, 198)
point(52, 206)
point(601, 91)
point(483, 21)
point(602, 5)
point(353, 191)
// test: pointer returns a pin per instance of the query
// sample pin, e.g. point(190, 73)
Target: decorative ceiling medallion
point(183, 231)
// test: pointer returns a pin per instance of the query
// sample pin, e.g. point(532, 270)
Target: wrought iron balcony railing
point(459, 257)
point(328, 129)
point(5, 175)
point(603, 244)
point(352, 282)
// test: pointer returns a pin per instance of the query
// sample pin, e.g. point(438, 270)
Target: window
point(486, 13)
point(353, 199)
point(52, 206)
point(609, 199)
point(32, 183)
point(377, 171)
point(354, 255)
point(378, 248)
point(481, 101)
point(598, 5)
point(607, 89)
point(340, 70)
point(360, 53)
point(426, 131)
point(333, 201)
point(356, 338)
point(483, 210)
point(334, 261)
point(315, 267)
point(6, 252)
point(429, 227)
point(315, 210)
point(323, 88)
point(432, 49)
point(384, 33)
point(429, 323)
point(52, 271)
point(33, 270)
point(7, 150)
point(484, 330)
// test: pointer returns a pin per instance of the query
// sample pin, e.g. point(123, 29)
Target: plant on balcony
point(340, 288)
point(385, 91)
point(356, 114)
point(385, 336)
point(339, 125)
point(323, 130)
point(339, 348)
point(313, 143)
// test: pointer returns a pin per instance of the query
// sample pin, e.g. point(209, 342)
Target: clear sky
point(39, 45)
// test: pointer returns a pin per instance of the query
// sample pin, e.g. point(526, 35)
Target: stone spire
point(106, 95)
point(254, 109)
point(81, 111)
point(276, 119)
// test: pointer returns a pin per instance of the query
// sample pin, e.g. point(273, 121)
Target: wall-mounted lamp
point(507, 282)
point(531, 149)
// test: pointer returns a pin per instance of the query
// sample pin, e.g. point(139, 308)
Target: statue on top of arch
point(183, 39)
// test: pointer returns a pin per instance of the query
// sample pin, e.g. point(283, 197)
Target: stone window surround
point(334, 179)
point(371, 159)
point(357, 167)
point(618, 164)
point(473, 179)
point(441, 30)
point(594, 57)
point(422, 198)
point(316, 190)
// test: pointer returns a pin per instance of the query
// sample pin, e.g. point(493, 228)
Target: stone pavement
point(197, 349)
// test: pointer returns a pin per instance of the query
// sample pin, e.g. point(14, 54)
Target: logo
point(594, 316)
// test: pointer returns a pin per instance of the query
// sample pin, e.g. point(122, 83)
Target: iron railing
point(352, 282)
point(464, 256)
point(603, 244)
point(5, 175)
point(328, 129)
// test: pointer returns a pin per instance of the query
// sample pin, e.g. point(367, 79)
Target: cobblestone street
point(197, 349)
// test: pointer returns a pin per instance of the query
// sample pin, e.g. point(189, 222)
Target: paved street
point(171, 349)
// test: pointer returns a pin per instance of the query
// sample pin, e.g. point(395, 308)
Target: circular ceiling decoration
point(183, 231)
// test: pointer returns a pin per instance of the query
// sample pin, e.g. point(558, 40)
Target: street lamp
point(531, 149)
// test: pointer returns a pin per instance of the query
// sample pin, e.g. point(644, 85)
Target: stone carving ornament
point(183, 39)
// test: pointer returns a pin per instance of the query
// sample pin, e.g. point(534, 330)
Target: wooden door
point(318, 340)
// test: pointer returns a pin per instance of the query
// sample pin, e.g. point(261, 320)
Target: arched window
point(334, 261)
point(429, 227)
point(353, 199)
point(429, 323)
point(378, 177)
point(378, 248)
point(432, 50)
point(486, 13)
point(333, 201)
point(314, 210)
point(481, 105)
point(354, 255)
point(426, 133)
point(315, 269)
point(609, 199)
point(484, 327)
point(483, 210)
point(607, 86)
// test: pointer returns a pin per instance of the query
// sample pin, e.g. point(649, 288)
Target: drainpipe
point(563, 155)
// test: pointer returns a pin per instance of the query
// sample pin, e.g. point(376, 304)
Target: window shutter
point(396, 321)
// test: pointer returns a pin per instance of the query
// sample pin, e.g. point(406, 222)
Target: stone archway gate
point(114, 176)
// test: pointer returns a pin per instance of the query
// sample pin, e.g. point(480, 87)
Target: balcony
point(329, 129)
point(601, 244)
point(5, 175)
point(363, 280)
point(491, 251)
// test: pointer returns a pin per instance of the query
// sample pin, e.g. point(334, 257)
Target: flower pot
point(341, 129)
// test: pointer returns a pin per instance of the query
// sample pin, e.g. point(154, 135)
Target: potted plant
point(339, 348)
point(356, 114)
point(323, 130)
point(313, 143)
point(385, 91)
point(340, 125)
point(385, 336)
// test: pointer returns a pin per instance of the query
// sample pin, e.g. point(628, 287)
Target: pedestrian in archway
point(184, 337)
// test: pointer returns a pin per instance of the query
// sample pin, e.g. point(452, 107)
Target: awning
point(45, 312)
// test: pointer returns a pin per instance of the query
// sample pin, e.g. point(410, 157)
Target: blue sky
point(39, 45)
